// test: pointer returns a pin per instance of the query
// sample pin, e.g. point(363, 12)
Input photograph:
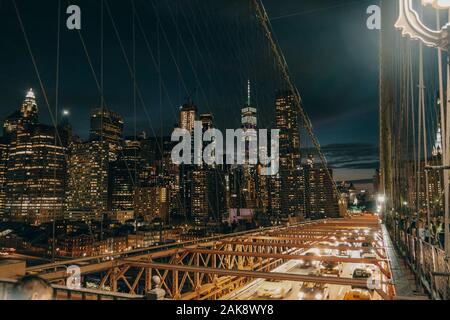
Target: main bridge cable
point(338, 5)
point(266, 25)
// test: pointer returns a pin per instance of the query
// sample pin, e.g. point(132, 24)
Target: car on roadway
point(369, 255)
point(313, 291)
point(307, 263)
point(366, 244)
point(344, 252)
point(330, 268)
point(274, 289)
point(324, 252)
point(357, 295)
point(361, 274)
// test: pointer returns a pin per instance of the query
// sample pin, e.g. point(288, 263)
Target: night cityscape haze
point(99, 99)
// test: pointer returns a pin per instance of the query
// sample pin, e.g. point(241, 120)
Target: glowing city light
point(30, 94)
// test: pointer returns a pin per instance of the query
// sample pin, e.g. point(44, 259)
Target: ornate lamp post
point(410, 24)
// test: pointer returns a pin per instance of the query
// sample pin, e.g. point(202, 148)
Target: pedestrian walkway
point(404, 279)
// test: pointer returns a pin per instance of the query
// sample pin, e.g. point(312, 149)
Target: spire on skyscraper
point(249, 96)
point(30, 94)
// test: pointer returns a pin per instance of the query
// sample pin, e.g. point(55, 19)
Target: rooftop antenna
point(249, 97)
point(189, 99)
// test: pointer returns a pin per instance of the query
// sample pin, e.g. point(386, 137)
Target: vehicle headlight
point(319, 296)
point(301, 295)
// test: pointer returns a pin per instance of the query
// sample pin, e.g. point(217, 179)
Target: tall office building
point(207, 120)
point(431, 185)
point(217, 196)
point(200, 181)
point(199, 195)
point(292, 186)
point(152, 202)
point(36, 167)
point(275, 192)
point(437, 148)
point(36, 175)
point(125, 175)
point(107, 126)
point(29, 109)
point(322, 201)
point(263, 193)
point(4, 146)
point(88, 172)
point(27, 114)
point(249, 113)
point(248, 180)
point(188, 115)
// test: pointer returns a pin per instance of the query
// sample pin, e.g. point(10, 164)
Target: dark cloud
point(350, 155)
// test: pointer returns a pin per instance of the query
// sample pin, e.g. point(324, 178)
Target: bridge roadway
point(235, 266)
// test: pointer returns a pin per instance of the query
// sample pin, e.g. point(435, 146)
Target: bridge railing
point(65, 293)
point(428, 262)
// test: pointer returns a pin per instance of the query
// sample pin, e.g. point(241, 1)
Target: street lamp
point(410, 24)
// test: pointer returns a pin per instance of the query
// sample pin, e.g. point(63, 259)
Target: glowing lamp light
point(411, 26)
point(30, 94)
point(437, 4)
point(66, 113)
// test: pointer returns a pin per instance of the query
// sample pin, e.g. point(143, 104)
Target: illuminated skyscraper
point(27, 114)
point(125, 175)
point(152, 203)
point(188, 115)
point(199, 195)
point(88, 172)
point(36, 168)
point(321, 201)
point(4, 146)
point(107, 126)
point(437, 148)
point(29, 109)
point(248, 175)
point(36, 175)
point(292, 186)
point(249, 113)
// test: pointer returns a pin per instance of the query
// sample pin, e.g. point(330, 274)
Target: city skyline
point(225, 150)
point(335, 125)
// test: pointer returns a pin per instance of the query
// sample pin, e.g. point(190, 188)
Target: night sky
point(207, 48)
